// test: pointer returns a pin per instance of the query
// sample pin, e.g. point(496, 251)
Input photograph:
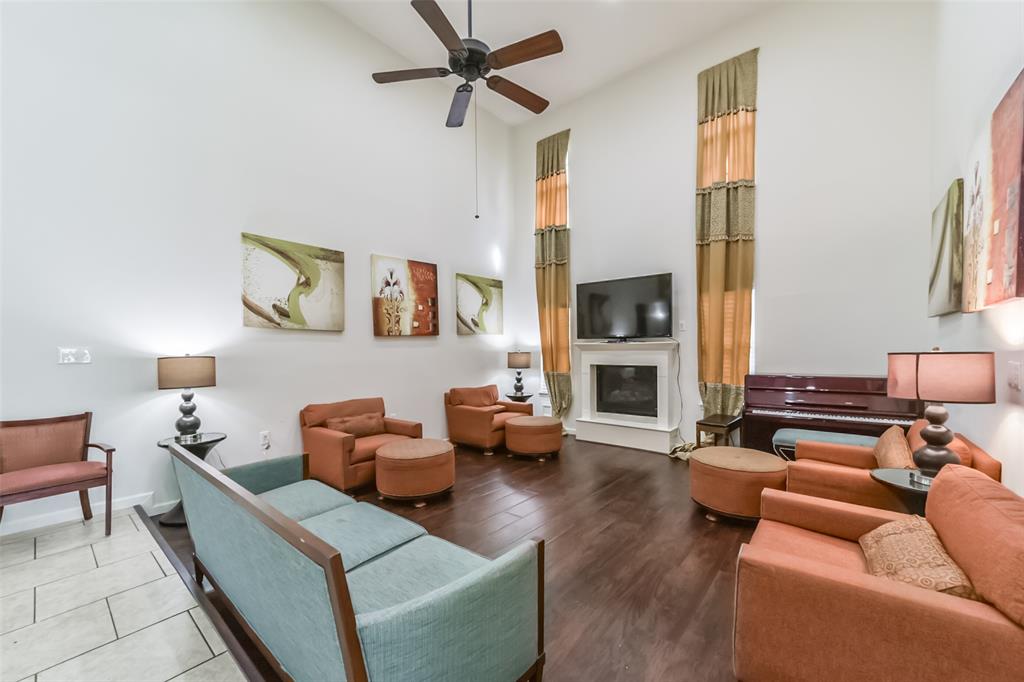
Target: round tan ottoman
point(415, 468)
point(533, 436)
point(729, 481)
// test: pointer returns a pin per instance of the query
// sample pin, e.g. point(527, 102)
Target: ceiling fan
point(471, 60)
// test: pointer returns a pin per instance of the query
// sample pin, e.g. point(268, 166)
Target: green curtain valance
point(725, 214)
point(551, 246)
point(551, 154)
point(728, 87)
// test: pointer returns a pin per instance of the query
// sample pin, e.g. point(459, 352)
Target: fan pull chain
point(476, 159)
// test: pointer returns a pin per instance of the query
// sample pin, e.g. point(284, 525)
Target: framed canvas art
point(404, 297)
point(1005, 274)
point(478, 305)
point(945, 281)
point(288, 285)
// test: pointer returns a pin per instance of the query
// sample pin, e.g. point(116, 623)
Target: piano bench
point(784, 440)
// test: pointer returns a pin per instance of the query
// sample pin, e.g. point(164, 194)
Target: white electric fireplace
point(629, 394)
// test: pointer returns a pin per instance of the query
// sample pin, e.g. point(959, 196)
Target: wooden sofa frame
point(329, 559)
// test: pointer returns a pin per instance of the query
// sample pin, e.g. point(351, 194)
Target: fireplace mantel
point(658, 434)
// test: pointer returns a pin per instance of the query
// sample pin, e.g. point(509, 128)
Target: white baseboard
point(74, 512)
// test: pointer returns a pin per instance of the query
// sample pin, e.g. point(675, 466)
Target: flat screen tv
point(630, 308)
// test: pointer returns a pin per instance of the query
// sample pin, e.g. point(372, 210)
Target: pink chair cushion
point(981, 524)
point(366, 448)
point(480, 396)
point(51, 475)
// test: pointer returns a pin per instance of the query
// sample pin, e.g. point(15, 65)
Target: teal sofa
point(334, 589)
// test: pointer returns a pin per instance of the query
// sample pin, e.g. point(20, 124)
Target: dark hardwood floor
point(639, 585)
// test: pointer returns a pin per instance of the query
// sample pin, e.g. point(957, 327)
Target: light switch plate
point(1015, 377)
point(73, 356)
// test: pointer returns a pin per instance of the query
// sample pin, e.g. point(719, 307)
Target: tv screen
point(631, 308)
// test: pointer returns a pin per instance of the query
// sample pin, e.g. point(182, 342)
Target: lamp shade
point(519, 360)
point(186, 371)
point(968, 377)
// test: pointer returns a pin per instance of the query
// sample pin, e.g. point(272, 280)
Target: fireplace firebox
point(627, 389)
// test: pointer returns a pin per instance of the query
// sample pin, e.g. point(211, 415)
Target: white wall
point(140, 139)
point(842, 145)
point(979, 52)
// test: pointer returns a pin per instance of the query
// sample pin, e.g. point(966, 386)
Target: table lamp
point(941, 377)
point(518, 360)
point(186, 372)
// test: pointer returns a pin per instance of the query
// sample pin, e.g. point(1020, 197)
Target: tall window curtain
point(727, 106)
point(551, 237)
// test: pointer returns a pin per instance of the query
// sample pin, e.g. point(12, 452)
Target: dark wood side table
point(718, 425)
point(519, 397)
point(200, 446)
point(911, 485)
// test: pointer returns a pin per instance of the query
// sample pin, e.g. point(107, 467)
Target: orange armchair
point(44, 457)
point(341, 459)
point(843, 472)
point(477, 418)
point(807, 608)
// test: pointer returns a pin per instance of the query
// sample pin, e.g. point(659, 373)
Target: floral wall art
point(288, 285)
point(479, 303)
point(404, 297)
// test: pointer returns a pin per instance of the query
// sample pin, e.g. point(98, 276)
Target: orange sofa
point(843, 472)
point(807, 608)
point(476, 417)
point(341, 459)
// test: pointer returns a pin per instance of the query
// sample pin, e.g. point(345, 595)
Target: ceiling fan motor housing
point(474, 65)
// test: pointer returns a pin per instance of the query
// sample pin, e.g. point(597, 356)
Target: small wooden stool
point(718, 425)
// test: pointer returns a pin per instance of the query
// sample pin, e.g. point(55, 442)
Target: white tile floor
point(78, 605)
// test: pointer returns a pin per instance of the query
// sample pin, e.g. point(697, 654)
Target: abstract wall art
point(479, 305)
point(945, 282)
point(993, 239)
point(1006, 240)
point(288, 285)
point(404, 297)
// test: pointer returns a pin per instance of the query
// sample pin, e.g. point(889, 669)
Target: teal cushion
point(362, 531)
point(787, 438)
point(401, 575)
point(305, 499)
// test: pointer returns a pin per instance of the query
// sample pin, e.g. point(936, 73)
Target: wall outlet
point(265, 440)
point(73, 356)
point(1015, 377)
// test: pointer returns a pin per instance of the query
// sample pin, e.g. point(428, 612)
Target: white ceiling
point(602, 38)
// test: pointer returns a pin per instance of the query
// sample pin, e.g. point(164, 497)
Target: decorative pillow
point(909, 551)
point(369, 424)
point(482, 396)
point(892, 450)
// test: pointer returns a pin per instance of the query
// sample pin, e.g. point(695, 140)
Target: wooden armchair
point(44, 457)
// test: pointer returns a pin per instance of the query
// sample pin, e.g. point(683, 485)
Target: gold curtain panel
point(551, 236)
point(724, 229)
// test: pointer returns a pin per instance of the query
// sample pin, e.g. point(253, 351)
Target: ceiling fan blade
point(440, 25)
point(540, 45)
point(460, 104)
point(409, 75)
point(517, 94)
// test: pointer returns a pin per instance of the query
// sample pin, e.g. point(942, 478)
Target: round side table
point(911, 485)
point(199, 445)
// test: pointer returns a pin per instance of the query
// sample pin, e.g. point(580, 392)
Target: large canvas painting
point(288, 285)
point(945, 283)
point(404, 297)
point(1006, 241)
point(479, 305)
point(977, 205)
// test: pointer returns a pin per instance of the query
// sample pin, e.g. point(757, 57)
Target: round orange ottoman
point(729, 481)
point(415, 468)
point(533, 436)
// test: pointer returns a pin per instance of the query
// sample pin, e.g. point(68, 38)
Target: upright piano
point(844, 404)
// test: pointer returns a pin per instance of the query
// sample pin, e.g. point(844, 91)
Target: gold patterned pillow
point(909, 551)
point(892, 450)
